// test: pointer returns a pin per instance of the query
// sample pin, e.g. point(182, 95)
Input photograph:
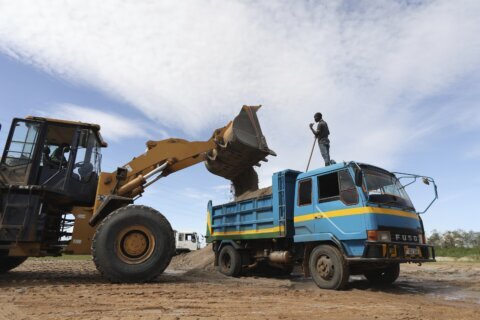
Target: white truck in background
point(186, 241)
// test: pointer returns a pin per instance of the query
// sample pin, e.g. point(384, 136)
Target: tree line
point(455, 239)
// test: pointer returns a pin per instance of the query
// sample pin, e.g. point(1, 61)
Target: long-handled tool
point(311, 153)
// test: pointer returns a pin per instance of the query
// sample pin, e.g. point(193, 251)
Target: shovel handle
point(311, 153)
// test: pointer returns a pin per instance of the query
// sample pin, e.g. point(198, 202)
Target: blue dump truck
point(341, 220)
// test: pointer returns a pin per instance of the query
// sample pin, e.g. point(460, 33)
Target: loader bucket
point(240, 146)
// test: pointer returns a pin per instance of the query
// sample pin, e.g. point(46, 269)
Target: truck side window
point(305, 192)
point(348, 192)
point(328, 187)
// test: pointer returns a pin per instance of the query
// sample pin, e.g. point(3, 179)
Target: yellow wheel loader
point(50, 170)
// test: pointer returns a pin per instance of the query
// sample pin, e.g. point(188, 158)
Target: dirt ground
point(192, 289)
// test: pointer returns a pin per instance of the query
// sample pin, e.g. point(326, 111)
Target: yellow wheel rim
point(135, 244)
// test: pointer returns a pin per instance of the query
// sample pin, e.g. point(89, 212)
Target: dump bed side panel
point(269, 216)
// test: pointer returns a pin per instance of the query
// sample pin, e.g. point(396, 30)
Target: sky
point(397, 82)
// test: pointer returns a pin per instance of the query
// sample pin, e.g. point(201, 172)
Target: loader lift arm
point(230, 152)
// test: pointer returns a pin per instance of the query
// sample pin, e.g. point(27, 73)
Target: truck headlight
point(421, 238)
point(383, 236)
point(375, 235)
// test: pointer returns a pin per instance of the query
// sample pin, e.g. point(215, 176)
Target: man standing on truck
point(321, 134)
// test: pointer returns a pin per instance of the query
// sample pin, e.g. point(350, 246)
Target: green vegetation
point(473, 253)
point(456, 244)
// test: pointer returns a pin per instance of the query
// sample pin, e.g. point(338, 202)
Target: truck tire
point(133, 244)
point(229, 261)
point(9, 263)
point(387, 275)
point(328, 267)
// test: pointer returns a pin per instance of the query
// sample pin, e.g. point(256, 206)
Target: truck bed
point(266, 213)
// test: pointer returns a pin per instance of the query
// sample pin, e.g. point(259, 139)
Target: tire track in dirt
point(67, 289)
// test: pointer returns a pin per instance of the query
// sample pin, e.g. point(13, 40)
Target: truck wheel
point(328, 267)
point(9, 263)
point(387, 275)
point(229, 261)
point(133, 244)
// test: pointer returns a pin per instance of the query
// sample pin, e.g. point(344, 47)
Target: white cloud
point(113, 126)
point(366, 65)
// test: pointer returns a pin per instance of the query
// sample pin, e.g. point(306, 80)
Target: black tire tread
point(236, 260)
point(8, 263)
point(344, 265)
point(391, 274)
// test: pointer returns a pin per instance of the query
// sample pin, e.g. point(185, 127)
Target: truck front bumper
point(377, 251)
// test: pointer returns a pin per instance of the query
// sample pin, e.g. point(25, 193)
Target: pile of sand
point(195, 260)
point(255, 194)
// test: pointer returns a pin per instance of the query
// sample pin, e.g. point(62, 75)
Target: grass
point(473, 253)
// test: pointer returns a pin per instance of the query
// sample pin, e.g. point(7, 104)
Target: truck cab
point(186, 241)
point(364, 209)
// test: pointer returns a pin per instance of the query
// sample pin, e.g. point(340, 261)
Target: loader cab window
point(305, 192)
point(22, 144)
point(337, 186)
point(87, 159)
point(56, 151)
point(57, 147)
point(19, 152)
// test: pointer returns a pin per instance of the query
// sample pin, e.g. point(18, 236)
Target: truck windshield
point(385, 189)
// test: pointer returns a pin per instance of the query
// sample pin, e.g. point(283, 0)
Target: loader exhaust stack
point(240, 146)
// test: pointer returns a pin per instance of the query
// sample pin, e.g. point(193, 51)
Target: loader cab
point(60, 157)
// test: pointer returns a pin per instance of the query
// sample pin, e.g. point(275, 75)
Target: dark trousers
point(325, 151)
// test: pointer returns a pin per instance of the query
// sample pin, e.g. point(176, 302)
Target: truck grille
point(403, 235)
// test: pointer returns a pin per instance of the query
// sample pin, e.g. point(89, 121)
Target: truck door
point(335, 201)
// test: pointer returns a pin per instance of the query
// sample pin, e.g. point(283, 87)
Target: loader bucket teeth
point(240, 146)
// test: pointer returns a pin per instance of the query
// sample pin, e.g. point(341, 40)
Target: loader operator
point(58, 155)
point(321, 134)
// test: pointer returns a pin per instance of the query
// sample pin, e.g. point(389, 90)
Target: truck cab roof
point(337, 167)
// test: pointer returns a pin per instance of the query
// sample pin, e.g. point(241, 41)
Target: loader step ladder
point(15, 230)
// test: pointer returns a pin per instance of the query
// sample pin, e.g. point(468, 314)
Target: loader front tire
point(133, 244)
point(8, 263)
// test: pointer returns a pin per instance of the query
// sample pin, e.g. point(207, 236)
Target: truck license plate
point(411, 251)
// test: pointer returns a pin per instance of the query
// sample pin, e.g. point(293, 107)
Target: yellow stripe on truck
point(355, 211)
point(231, 233)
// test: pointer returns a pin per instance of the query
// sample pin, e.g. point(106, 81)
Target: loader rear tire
point(229, 261)
point(9, 263)
point(384, 276)
point(133, 244)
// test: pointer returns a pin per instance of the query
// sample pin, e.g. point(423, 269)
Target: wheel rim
point(325, 268)
point(226, 261)
point(135, 244)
